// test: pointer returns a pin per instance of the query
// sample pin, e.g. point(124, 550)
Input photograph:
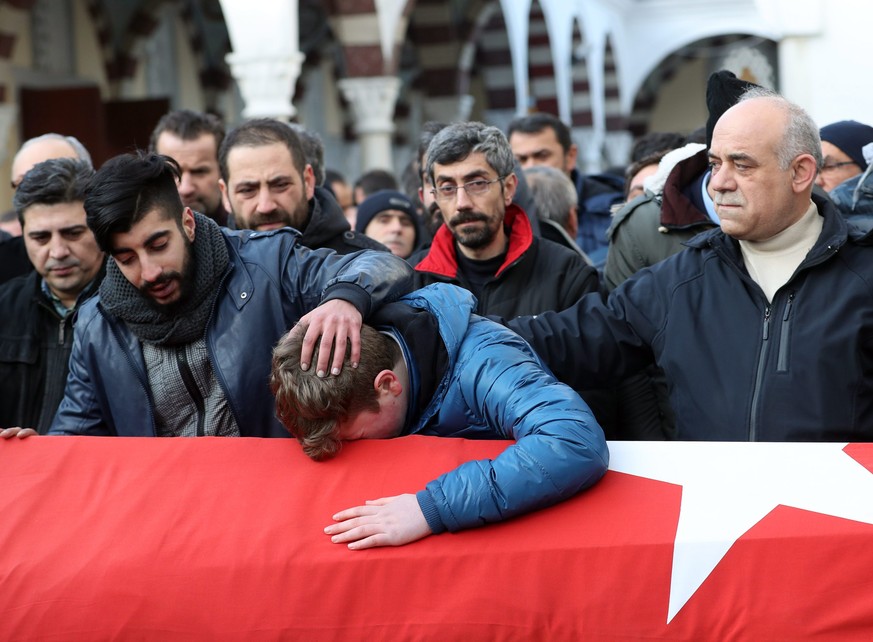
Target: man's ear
point(309, 181)
point(510, 184)
point(570, 158)
point(189, 224)
point(573, 222)
point(387, 383)
point(803, 172)
point(224, 195)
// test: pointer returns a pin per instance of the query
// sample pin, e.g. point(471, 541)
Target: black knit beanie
point(723, 90)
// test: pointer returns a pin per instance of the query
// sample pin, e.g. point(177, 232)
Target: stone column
point(372, 102)
point(266, 82)
point(266, 60)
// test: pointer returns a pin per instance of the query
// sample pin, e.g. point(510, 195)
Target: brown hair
point(310, 406)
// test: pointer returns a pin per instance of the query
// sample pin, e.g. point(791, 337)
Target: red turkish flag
point(222, 539)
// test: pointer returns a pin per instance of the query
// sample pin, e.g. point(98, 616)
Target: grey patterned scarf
point(187, 322)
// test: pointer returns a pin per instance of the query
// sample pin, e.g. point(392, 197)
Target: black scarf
point(187, 323)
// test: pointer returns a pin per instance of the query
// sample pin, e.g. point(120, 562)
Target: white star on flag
point(728, 487)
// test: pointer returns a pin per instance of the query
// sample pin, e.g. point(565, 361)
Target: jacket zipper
point(193, 390)
point(782, 361)
point(210, 339)
point(759, 376)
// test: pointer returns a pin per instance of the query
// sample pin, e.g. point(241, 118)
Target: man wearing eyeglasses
point(487, 245)
point(841, 145)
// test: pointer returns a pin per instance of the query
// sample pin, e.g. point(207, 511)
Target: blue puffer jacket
point(739, 368)
point(495, 387)
point(270, 283)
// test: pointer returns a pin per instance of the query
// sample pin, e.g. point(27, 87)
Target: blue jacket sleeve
point(559, 450)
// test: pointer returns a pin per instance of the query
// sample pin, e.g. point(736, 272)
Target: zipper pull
point(767, 323)
point(788, 307)
point(61, 331)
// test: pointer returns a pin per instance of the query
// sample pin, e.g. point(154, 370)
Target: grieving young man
point(178, 342)
point(435, 368)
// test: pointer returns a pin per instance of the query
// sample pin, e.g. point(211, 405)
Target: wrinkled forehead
point(260, 162)
point(754, 127)
point(474, 165)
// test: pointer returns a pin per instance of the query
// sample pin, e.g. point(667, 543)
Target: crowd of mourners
point(227, 283)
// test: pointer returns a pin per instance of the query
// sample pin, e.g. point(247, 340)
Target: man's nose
point(150, 270)
point(720, 180)
point(265, 201)
point(186, 185)
point(463, 199)
point(59, 247)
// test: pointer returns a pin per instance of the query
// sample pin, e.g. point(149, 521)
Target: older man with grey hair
point(43, 148)
point(13, 255)
point(762, 326)
point(557, 204)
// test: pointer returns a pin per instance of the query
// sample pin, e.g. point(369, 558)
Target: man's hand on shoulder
point(21, 433)
point(335, 322)
point(389, 521)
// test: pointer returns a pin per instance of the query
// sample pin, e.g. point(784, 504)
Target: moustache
point(468, 217)
point(165, 277)
point(276, 216)
point(51, 264)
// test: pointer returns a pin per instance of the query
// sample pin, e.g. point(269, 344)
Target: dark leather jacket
point(270, 283)
point(35, 345)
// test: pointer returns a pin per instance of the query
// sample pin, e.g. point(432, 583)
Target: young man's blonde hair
point(310, 406)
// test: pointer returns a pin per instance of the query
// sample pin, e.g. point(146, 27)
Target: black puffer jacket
point(329, 228)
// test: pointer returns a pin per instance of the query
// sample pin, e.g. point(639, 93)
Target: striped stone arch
point(493, 62)
point(214, 74)
point(581, 100)
point(719, 52)
point(354, 27)
point(362, 52)
point(8, 40)
point(118, 62)
point(118, 49)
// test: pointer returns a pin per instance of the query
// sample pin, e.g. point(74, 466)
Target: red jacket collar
point(442, 258)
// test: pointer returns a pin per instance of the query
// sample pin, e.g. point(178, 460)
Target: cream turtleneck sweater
point(772, 262)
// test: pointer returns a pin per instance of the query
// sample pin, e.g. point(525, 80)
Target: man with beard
point(192, 139)
point(432, 216)
point(178, 342)
point(266, 184)
point(36, 328)
point(486, 244)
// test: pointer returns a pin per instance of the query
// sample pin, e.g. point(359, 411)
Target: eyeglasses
point(473, 188)
point(829, 167)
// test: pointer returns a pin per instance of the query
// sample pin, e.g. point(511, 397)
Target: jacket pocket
point(19, 350)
